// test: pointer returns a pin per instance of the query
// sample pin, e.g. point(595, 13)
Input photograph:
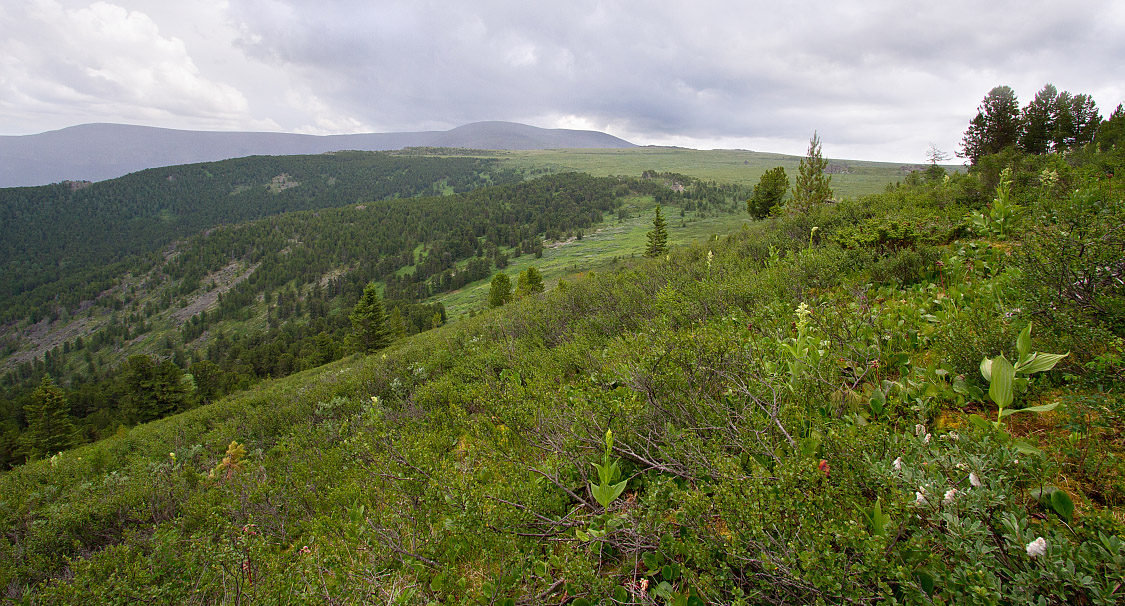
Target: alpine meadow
point(642, 375)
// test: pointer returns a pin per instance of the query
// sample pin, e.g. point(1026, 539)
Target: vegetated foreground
point(815, 409)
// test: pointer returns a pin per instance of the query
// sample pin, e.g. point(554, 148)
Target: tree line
point(1052, 122)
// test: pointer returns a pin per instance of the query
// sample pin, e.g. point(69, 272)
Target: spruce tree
point(49, 428)
point(369, 321)
point(658, 237)
point(812, 187)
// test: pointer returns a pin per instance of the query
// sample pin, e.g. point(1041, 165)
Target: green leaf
point(1061, 503)
point(926, 580)
point(878, 402)
point(582, 536)
point(879, 519)
point(979, 421)
point(1000, 386)
point(1026, 448)
point(986, 369)
point(652, 560)
point(1040, 362)
point(606, 493)
point(1043, 408)
point(1023, 343)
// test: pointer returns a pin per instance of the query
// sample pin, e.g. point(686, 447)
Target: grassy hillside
point(854, 177)
point(797, 410)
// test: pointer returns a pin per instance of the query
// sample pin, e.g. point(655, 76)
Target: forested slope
point(65, 243)
point(238, 303)
point(794, 413)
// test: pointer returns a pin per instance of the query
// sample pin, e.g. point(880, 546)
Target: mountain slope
point(94, 152)
point(792, 422)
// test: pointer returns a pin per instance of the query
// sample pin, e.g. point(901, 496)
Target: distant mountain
point(95, 152)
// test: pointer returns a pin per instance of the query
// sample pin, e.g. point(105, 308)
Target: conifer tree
point(396, 324)
point(769, 192)
point(369, 321)
point(500, 292)
point(49, 428)
point(812, 187)
point(658, 237)
point(530, 281)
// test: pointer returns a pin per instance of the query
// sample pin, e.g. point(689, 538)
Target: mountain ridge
point(100, 151)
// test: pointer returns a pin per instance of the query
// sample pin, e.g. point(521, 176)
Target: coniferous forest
point(910, 397)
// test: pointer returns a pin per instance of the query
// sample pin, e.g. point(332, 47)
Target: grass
point(724, 166)
point(598, 250)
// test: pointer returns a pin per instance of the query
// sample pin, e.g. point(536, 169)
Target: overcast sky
point(879, 79)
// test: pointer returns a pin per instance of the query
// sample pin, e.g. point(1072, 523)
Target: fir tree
point(658, 237)
point(369, 321)
point(812, 187)
point(49, 428)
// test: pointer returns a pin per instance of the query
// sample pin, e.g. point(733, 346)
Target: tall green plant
point(608, 488)
point(1003, 377)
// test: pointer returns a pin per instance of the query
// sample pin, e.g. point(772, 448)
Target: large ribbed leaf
point(1040, 362)
point(1000, 386)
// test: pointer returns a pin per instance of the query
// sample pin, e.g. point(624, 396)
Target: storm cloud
point(879, 80)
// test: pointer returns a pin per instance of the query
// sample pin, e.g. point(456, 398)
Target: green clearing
point(608, 247)
point(723, 166)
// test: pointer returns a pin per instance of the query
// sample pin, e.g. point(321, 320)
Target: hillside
point(793, 413)
point(95, 152)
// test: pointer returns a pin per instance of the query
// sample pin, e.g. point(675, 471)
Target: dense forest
point(912, 397)
point(66, 243)
point(279, 290)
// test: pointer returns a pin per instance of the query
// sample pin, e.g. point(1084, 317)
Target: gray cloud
point(878, 79)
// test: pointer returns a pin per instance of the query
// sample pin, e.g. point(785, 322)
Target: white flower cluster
point(1037, 548)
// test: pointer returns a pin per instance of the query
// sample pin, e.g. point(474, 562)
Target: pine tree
point(369, 321)
point(996, 125)
point(500, 292)
point(49, 428)
point(658, 237)
point(812, 187)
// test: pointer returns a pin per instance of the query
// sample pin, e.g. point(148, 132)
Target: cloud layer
point(877, 79)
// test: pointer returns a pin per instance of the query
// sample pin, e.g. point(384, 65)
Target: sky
point(876, 79)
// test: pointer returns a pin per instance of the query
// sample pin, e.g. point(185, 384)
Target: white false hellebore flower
point(1037, 548)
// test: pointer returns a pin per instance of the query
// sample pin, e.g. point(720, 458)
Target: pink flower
point(823, 466)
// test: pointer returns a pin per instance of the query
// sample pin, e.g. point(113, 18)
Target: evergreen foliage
point(369, 321)
point(658, 237)
point(769, 193)
point(1053, 122)
point(995, 127)
point(529, 282)
point(500, 290)
point(813, 186)
point(49, 427)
